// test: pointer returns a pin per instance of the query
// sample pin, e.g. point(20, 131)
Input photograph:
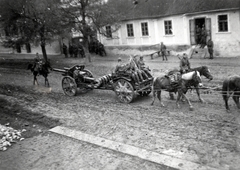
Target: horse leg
point(189, 103)
point(236, 99)
point(181, 94)
point(35, 80)
point(154, 96)
point(47, 82)
point(178, 98)
point(159, 97)
point(199, 97)
point(226, 96)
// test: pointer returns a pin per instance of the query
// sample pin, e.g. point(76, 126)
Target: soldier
point(203, 37)
point(163, 50)
point(210, 47)
point(119, 65)
point(102, 50)
point(81, 51)
point(184, 64)
point(142, 66)
point(135, 68)
point(198, 35)
point(65, 50)
point(70, 50)
point(37, 62)
point(127, 68)
point(75, 51)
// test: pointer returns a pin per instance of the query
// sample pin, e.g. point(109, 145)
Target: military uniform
point(163, 50)
point(210, 48)
point(37, 63)
point(145, 70)
point(184, 64)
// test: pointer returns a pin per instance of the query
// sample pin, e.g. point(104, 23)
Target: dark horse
point(204, 71)
point(231, 87)
point(164, 83)
point(40, 69)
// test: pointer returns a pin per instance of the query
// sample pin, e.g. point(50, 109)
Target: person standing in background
point(65, 50)
point(210, 47)
point(163, 50)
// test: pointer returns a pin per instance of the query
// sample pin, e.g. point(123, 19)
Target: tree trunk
point(43, 43)
point(85, 45)
point(44, 51)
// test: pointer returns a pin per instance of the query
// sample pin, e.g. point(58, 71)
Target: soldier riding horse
point(40, 68)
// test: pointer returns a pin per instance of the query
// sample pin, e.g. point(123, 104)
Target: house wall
point(225, 44)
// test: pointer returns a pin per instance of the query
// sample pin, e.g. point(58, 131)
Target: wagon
point(126, 89)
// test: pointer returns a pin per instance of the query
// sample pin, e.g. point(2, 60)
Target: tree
point(35, 20)
point(90, 16)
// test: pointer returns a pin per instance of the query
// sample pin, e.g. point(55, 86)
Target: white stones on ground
point(8, 135)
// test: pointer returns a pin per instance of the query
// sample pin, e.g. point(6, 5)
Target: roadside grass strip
point(155, 157)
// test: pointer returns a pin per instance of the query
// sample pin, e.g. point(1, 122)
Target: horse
point(204, 71)
point(231, 87)
point(164, 83)
point(40, 69)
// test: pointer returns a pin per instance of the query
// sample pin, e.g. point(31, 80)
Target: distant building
point(174, 22)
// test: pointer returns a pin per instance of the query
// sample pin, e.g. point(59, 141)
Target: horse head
point(205, 71)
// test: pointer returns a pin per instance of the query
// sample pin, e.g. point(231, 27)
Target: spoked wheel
point(124, 90)
point(69, 86)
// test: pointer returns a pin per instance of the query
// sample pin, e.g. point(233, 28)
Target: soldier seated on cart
point(145, 70)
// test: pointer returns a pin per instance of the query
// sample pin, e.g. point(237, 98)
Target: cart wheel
point(124, 90)
point(69, 86)
point(88, 73)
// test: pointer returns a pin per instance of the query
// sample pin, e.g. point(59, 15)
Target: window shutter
point(208, 26)
point(192, 31)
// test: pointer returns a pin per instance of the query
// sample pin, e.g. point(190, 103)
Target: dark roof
point(158, 8)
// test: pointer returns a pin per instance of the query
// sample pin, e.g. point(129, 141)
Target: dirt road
point(208, 135)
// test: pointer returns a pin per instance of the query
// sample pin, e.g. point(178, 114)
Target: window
point(222, 23)
point(168, 27)
point(130, 32)
point(144, 26)
point(108, 32)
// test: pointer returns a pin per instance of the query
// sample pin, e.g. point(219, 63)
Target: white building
point(174, 22)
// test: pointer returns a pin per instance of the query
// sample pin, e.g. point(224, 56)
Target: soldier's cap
point(141, 56)
point(119, 59)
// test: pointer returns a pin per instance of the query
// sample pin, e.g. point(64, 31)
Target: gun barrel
point(59, 70)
